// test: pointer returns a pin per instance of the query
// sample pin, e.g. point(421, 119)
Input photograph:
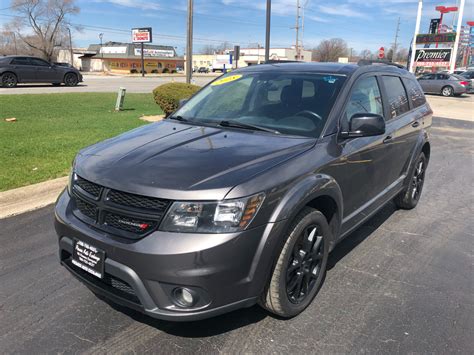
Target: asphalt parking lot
point(100, 83)
point(403, 282)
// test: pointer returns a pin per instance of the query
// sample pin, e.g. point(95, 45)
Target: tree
point(330, 50)
point(45, 21)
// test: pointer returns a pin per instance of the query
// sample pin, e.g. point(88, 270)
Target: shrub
point(173, 71)
point(154, 71)
point(133, 71)
point(167, 96)
point(166, 70)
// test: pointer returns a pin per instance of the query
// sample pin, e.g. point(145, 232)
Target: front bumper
point(227, 271)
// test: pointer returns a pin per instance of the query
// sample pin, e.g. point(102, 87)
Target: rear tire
point(409, 197)
point(70, 79)
point(447, 91)
point(8, 80)
point(301, 266)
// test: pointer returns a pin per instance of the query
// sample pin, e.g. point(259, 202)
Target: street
point(403, 282)
point(99, 83)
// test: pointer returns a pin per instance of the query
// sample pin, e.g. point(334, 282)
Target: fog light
point(184, 297)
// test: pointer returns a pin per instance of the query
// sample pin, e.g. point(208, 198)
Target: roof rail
point(363, 62)
point(273, 61)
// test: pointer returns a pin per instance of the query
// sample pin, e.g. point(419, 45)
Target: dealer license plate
point(88, 258)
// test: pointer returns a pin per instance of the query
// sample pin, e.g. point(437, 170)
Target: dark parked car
point(23, 69)
point(203, 70)
point(240, 195)
point(444, 83)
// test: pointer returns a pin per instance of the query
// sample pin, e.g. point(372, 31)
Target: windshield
point(288, 103)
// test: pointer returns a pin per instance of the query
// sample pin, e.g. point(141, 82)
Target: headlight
point(212, 217)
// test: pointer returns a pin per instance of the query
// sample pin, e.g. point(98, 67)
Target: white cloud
point(341, 10)
point(137, 4)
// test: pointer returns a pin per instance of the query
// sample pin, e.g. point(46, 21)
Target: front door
point(45, 73)
point(360, 168)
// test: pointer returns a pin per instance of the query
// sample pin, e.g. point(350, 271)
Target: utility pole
point(14, 42)
point(189, 44)
point(417, 29)
point(267, 31)
point(70, 47)
point(101, 35)
point(395, 43)
point(297, 28)
point(454, 55)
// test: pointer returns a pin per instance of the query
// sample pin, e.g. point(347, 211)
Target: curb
point(29, 198)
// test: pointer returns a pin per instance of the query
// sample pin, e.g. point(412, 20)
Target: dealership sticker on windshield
point(226, 80)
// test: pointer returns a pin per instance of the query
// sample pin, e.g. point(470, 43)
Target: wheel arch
point(69, 72)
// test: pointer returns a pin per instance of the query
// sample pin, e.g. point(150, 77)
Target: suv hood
point(179, 161)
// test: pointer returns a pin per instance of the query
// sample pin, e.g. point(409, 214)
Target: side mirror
point(182, 102)
point(365, 125)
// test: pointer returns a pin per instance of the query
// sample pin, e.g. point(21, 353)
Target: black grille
point(88, 186)
point(109, 283)
point(117, 212)
point(129, 224)
point(131, 200)
point(86, 208)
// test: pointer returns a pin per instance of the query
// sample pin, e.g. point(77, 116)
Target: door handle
point(387, 140)
point(415, 124)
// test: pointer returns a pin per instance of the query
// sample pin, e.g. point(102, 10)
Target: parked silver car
point(445, 84)
point(470, 76)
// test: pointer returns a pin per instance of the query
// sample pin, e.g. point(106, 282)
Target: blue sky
point(363, 24)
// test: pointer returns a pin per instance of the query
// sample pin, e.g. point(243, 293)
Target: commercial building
point(125, 58)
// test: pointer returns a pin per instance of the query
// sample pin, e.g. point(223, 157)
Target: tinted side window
point(415, 94)
point(442, 77)
point(396, 95)
point(39, 62)
point(427, 77)
point(20, 61)
point(365, 98)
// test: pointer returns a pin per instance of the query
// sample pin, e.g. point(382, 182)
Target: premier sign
point(433, 57)
point(142, 35)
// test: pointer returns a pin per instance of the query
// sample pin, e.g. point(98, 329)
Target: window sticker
point(330, 79)
point(226, 80)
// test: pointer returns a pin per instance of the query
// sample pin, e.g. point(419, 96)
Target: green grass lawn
point(51, 128)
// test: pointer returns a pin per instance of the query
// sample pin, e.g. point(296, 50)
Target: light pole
point(189, 44)
point(267, 30)
point(70, 47)
point(101, 35)
point(417, 29)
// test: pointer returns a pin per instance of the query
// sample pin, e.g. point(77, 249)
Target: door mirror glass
point(365, 125)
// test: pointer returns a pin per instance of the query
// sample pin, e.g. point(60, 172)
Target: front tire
point(301, 265)
point(409, 197)
point(447, 91)
point(8, 80)
point(71, 79)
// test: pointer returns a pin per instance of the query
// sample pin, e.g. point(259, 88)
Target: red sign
point(381, 53)
point(142, 35)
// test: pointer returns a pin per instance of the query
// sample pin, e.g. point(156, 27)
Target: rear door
point(441, 81)
point(403, 124)
point(23, 69)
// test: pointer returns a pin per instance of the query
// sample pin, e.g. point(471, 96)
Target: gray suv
point(23, 69)
point(240, 195)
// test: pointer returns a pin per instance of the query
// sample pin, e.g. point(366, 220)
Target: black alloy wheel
point(410, 195)
point(9, 80)
point(304, 266)
point(300, 267)
point(71, 79)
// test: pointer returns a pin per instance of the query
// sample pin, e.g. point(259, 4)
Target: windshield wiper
point(237, 124)
point(178, 118)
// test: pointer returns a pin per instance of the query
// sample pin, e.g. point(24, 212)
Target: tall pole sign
point(458, 34)
point(267, 30)
point(189, 44)
point(417, 29)
point(142, 35)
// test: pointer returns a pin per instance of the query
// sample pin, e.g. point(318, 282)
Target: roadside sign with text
point(436, 38)
point(142, 35)
point(433, 57)
point(381, 53)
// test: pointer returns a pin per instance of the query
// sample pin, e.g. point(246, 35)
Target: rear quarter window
point(415, 93)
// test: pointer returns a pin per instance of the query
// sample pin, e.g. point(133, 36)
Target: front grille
point(133, 225)
point(109, 283)
point(132, 200)
point(121, 213)
point(86, 209)
point(88, 186)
